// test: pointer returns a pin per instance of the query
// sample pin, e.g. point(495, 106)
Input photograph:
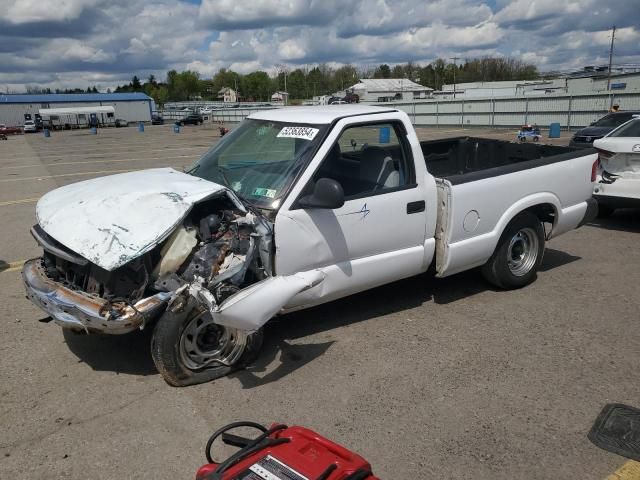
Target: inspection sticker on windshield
point(306, 133)
point(264, 192)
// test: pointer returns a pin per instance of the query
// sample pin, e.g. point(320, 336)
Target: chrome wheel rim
point(523, 251)
point(204, 343)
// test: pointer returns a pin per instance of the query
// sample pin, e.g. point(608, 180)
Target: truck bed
point(466, 159)
point(482, 183)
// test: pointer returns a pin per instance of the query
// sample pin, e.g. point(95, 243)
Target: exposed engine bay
point(218, 248)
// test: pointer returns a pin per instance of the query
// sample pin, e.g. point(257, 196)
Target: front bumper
point(78, 310)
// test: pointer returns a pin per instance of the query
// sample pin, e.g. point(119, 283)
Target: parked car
point(286, 213)
point(120, 122)
point(191, 119)
point(619, 173)
point(157, 120)
point(9, 130)
point(585, 137)
point(29, 126)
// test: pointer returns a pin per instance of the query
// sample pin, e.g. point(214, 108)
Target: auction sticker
point(305, 133)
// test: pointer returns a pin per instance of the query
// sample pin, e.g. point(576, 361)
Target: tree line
point(302, 83)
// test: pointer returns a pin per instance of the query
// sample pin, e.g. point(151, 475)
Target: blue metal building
point(132, 107)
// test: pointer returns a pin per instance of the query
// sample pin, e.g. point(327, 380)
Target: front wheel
point(515, 261)
point(189, 348)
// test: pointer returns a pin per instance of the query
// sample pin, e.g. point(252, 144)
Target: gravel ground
point(426, 378)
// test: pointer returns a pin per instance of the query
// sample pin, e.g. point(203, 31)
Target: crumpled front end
point(219, 253)
point(80, 311)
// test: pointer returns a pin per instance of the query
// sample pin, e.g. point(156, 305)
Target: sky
point(80, 43)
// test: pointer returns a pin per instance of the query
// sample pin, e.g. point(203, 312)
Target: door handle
point(415, 207)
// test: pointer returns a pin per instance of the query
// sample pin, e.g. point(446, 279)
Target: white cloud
point(25, 11)
point(79, 42)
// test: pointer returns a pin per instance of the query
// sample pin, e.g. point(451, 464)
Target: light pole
point(282, 68)
point(455, 67)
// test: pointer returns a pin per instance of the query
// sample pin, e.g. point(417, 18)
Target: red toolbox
point(283, 453)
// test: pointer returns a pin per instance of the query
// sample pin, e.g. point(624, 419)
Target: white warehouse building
point(132, 107)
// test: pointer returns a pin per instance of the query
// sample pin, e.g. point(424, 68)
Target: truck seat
point(378, 169)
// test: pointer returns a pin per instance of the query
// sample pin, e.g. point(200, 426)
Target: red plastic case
point(306, 457)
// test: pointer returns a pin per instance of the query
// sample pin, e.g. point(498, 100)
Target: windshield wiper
point(193, 169)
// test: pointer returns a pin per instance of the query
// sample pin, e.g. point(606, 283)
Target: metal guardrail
point(570, 111)
point(223, 115)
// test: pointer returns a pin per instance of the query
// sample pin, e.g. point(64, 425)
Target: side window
point(369, 159)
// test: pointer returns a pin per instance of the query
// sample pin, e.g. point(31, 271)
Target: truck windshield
point(259, 159)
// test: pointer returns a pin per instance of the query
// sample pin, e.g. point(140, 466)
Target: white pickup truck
point(295, 207)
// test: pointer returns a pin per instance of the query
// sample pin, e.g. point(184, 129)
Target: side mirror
point(327, 194)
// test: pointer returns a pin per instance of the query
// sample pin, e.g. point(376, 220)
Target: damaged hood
point(112, 220)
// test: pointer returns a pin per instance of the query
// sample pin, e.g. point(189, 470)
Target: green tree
point(257, 85)
point(383, 71)
point(182, 86)
point(135, 83)
point(225, 78)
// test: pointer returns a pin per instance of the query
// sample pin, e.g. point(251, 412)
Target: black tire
point(525, 233)
point(166, 350)
point(605, 211)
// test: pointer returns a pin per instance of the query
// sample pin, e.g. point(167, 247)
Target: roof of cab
point(321, 114)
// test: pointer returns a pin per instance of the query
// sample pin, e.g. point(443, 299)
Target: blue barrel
point(94, 130)
point(141, 127)
point(176, 128)
point(47, 133)
point(554, 130)
point(385, 135)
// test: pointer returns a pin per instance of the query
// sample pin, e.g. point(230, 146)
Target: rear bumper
point(77, 310)
point(623, 192)
point(613, 201)
point(591, 213)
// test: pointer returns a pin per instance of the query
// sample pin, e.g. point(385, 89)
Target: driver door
point(377, 236)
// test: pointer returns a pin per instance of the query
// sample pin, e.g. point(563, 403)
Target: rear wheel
point(189, 348)
point(515, 261)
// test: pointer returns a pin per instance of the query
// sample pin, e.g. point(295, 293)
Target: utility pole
point(455, 67)
point(613, 37)
point(283, 69)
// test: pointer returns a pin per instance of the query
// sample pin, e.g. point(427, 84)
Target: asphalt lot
point(426, 378)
